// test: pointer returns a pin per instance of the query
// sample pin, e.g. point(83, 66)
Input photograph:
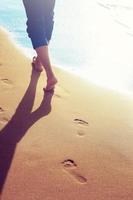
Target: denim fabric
point(40, 21)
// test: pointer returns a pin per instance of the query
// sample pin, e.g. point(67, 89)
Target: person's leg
point(43, 51)
point(36, 64)
point(39, 27)
point(43, 56)
point(34, 24)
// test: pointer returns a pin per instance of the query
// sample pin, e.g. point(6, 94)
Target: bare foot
point(50, 84)
point(37, 65)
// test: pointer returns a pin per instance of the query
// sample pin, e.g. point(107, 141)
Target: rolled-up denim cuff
point(36, 30)
point(38, 43)
point(40, 14)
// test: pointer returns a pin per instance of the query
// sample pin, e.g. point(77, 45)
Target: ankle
point(50, 76)
point(38, 60)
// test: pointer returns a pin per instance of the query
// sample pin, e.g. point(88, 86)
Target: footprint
point(82, 126)
point(4, 120)
point(6, 83)
point(80, 121)
point(71, 168)
point(4, 117)
point(6, 80)
point(79, 178)
point(1, 110)
point(81, 133)
point(69, 163)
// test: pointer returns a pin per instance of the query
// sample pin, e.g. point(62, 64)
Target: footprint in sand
point(81, 121)
point(81, 133)
point(81, 126)
point(61, 92)
point(6, 82)
point(1, 110)
point(4, 118)
point(71, 168)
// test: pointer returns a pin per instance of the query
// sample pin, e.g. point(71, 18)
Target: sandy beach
point(73, 144)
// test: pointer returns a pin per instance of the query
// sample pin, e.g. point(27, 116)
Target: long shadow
point(17, 127)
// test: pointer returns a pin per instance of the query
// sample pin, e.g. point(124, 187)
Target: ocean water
point(91, 38)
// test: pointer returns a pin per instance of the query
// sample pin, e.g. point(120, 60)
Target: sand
point(73, 144)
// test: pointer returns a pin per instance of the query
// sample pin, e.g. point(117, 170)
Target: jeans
point(40, 21)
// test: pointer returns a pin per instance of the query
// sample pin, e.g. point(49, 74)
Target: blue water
point(91, 38)
point(63, 46)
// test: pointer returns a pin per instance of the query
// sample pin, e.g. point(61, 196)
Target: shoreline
point(21, 48)
point(76, 142)
point(29, 53)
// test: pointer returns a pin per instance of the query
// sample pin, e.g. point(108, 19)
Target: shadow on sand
point(21, 121)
